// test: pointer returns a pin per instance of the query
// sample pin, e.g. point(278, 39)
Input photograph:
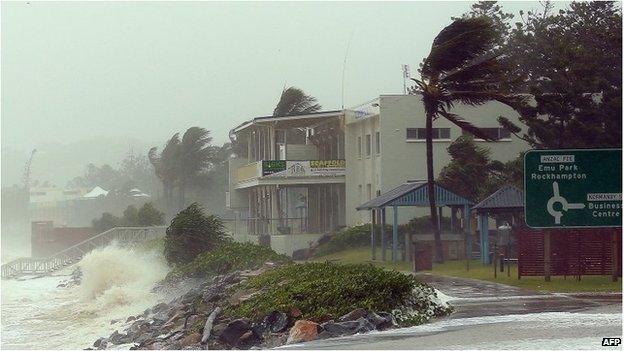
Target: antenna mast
point(344, 66)
point(27, 171)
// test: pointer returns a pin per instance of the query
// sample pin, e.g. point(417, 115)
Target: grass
point(484, 272)
point(324, 291)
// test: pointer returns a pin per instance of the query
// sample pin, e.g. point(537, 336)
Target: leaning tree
point(463, 67)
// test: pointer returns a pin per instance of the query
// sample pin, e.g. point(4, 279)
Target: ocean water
point(116, 283)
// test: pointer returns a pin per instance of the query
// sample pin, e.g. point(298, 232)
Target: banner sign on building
point(280, 168)
point(573, 188)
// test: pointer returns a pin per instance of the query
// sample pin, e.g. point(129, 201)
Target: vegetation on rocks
point(228, 256)
point(324, 291)
point(191, 233)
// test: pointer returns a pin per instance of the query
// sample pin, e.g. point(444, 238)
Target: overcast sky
point(76, 71)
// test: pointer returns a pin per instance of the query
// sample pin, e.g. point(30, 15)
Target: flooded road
point(496, 316)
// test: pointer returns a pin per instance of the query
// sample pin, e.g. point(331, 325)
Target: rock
point(353, 315)
point(381, 320)
point(113, 321)
point(118, 338)
point(362, 325)
point(130, 319)
point(276, 322)
point(160, 307)
point(190, 339)
point(248, 339)
point(100, 343)
point(190, 321)
point(302, 331)
point(295, 312)
point(233, 331)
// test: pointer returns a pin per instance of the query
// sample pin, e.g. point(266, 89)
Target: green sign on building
point(573, 188)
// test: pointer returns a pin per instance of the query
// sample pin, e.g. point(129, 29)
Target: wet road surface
point(496, 316)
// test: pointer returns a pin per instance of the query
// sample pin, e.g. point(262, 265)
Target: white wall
point(400, 160)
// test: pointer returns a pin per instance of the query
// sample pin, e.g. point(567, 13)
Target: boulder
point(130, 319)
point(248, 339)
point(295, 312)
point(118, 338)
point(362, 325)
point(381, 320)
point(190, 339)
point(100, 343)
point(190, 321)
point(276, 322)
point(302, 331)
point(233, 331)
point(353, 315)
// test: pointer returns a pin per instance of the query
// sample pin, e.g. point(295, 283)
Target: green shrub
point(228, 256)
point(192, 232)
point(148, 215)
point(323, 291)
point(360, 236)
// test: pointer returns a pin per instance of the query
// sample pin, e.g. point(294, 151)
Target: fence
point(74, 253)
point(569, 252)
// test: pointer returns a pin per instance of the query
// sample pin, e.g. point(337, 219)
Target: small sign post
point(573, 188)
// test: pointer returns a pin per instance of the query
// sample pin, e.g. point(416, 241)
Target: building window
point(360, 193)
point(359, 146)
point(368, 145)
point(369, 192)
point(495, 133)
point(421, 133)
point(377, 143)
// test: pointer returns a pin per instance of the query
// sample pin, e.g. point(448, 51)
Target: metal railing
point(277, 226)
point(74, 253)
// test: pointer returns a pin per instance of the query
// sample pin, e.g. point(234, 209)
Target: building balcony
point(285, 172)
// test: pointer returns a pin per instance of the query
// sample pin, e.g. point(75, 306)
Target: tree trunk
point(439, 254)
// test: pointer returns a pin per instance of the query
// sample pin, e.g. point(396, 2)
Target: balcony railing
point(278, 226)
point(288, 168)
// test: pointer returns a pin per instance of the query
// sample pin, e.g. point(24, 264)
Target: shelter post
point(373, 235)
point(485, 234)
point(395, 232)
point(383, 234)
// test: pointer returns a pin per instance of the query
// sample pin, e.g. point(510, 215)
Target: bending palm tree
point(195, 155)
point(461, 68)
point(166, 167)
point(294, 101)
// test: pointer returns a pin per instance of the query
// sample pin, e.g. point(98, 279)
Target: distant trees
point(182, 161)
point(462, 67)
point(472, 173)
point(147, 215)
point(133, 171)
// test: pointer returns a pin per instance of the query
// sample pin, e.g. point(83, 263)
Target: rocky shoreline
point(196, 320)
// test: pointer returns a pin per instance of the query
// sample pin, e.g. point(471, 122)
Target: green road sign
point(573, 188)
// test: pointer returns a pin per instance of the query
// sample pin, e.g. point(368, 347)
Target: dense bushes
point(359, 236)
point(192, 232)
point(323, 291)
point(147, 215)
point(226, 257)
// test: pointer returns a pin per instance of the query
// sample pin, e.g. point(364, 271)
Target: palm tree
point(166, 166)
point(195, 155)
point(462, 67)
point(294, 101)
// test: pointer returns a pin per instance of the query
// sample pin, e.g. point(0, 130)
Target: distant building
point(298, 177)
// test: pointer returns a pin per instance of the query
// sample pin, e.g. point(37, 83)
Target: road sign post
point(573, 188)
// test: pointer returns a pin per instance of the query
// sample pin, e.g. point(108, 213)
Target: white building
point(298, 177)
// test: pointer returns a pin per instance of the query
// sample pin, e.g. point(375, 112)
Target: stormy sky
point(78, 73)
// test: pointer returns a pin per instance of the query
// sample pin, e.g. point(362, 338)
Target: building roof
point(305, 116)
point(414, 194)
point(507, 197)
point(95, 192)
